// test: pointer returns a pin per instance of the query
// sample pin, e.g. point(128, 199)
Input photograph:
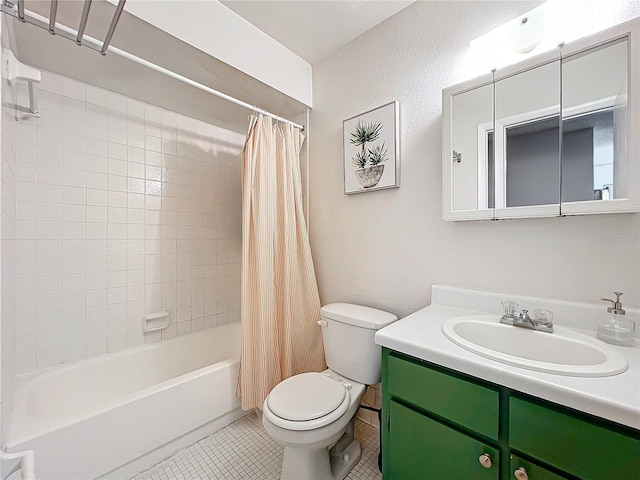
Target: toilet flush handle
point(323, 323)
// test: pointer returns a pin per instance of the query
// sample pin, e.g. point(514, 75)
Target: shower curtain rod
point(67, 32)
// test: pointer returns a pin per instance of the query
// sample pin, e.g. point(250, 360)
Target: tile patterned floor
point(243, 450)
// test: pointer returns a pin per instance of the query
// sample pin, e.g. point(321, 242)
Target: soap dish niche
point(152, 322)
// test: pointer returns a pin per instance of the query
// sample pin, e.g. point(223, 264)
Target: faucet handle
point(509, 308)
point(543, 317)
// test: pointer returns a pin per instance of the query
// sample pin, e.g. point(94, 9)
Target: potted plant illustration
point(368, 161)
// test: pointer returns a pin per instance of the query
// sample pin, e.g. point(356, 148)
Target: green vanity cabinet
point(423, 448)
point(440, 424)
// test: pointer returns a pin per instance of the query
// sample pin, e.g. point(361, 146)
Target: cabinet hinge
point(388, 420)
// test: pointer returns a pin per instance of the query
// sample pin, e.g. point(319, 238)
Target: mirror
point(472, 112)
point(549, 136)
point(594, 124)
point(527, 142)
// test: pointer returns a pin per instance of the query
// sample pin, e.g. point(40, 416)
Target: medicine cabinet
point(558, 134)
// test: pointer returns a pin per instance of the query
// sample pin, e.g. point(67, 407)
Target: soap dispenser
point(614, 327)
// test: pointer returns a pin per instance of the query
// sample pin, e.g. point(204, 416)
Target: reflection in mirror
point(527, 138)
point(533, 172)
point(594, 140)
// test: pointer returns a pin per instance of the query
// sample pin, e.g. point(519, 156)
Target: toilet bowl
point(321, 408)
point(312, 414)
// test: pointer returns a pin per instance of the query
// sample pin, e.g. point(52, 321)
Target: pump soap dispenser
point(614, 327)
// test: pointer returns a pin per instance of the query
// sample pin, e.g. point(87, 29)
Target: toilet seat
point(306, 401)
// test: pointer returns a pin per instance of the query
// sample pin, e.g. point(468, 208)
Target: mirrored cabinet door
point(599, 150)
point(527, 142)
point(467, 154)
point(471, 157)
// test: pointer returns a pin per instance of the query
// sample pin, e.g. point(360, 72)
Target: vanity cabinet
point(440, 424)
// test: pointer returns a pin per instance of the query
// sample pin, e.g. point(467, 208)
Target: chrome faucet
point(542, 319)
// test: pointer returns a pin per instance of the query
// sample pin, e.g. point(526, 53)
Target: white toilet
point(312, 414)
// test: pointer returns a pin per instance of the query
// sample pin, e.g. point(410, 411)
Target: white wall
point(122, 209)
point(386, 248)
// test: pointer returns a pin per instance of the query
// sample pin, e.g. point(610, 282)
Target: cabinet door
point(521, 469)
point(570, 444)
point(422, 448)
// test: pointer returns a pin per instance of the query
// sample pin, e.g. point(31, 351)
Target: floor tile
point(243, 450)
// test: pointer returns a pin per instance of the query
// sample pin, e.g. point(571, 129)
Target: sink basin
point(563, 352)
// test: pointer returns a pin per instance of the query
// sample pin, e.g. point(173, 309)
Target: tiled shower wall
point(122, 209)
point(8, 237)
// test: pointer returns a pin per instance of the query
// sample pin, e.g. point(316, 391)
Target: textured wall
point(122, 209)
point(386, 248)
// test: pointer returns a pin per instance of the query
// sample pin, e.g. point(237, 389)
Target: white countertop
point(616, 398)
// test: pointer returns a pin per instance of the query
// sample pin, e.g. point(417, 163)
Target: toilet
point(312, 414)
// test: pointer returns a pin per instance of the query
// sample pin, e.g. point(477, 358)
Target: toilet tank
point(348, 333)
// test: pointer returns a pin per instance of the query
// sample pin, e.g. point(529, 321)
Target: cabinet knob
point(485, 460)
point(521, 474)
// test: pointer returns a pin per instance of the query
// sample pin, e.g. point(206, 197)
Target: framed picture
point(371, 150)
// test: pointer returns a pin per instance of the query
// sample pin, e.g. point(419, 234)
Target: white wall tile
point(26, 191)
point(50, 101)
point(116, 102)
point(96, 348)
point(74, 213)
point(50, 82)
point(95, 331)
point(114, 220)
point(73, 89)
point(49, 340)
point(96, 96)
point(48, 156)
point(49, 358)
point(73, 301)
point(117, 343)
point(74, 142)
point(135, 108)
point(49, 193)
point(97, 315)
point(26, 326)
point(74, 265)
point(97, 180)
point(73, 353)
point(74, 178)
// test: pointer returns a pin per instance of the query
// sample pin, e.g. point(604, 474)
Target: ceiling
point(314, 29)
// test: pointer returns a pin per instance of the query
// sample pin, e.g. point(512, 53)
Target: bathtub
point(114, 416)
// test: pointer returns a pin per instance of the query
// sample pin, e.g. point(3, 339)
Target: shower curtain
point(280, 302)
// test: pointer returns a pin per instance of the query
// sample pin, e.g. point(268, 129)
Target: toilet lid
point(305, 397)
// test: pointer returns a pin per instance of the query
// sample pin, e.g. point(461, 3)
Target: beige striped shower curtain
point(280, 302)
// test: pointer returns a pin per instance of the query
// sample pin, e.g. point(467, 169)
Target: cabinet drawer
point(575, 446)
point(421, 448)
point(467, 404)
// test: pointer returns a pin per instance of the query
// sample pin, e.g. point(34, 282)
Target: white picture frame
point(371, 150)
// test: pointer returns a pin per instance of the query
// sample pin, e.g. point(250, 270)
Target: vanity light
point(542, 29)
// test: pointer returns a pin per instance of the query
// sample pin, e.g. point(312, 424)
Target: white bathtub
point(114, 416)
